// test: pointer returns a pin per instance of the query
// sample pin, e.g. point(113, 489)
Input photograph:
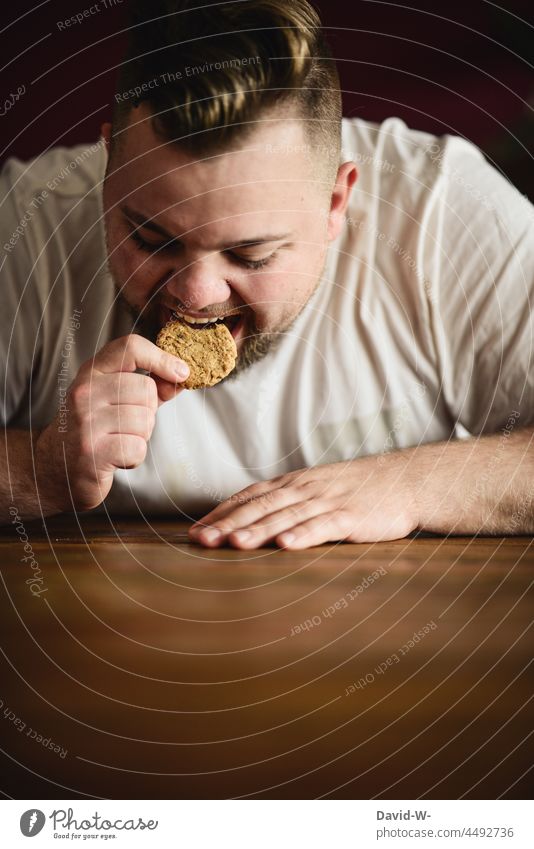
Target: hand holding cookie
point(111, 413)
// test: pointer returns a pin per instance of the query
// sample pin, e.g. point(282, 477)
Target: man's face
point(241, 233)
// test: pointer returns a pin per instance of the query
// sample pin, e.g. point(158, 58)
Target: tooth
point(191, 320)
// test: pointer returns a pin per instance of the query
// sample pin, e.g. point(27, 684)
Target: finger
point(234, 501)
point(132, 352)
point(258, 508)
point(125, 418)
point(277, 523)
point(125, 388)
point(331, 526)
point(120, 451)
point(261, 492)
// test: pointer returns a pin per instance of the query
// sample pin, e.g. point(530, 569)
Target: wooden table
point(151, 668)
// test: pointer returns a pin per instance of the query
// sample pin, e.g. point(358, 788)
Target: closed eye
point(172, 244)
point(151, 247)
point(251, 263)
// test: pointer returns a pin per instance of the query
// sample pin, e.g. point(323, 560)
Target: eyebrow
point(155, 228)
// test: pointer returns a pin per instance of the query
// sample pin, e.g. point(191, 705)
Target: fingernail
point(181, 369)
point(212, 535)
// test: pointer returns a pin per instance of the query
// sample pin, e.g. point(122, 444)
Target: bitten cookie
point(210, 352)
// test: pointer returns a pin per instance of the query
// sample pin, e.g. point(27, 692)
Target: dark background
point(463, 68)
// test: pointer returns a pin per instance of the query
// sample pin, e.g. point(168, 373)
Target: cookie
point(209, 350)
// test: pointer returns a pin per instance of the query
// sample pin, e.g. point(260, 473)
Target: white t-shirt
point(420, 331)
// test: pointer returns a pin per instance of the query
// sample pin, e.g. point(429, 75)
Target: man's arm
point(111, 412)
point(18, 489)
point(482, 485)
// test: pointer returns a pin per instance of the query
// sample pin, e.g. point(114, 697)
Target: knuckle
point(121, 381)
point(149, 422)
point(131, 450)
point(117, 384)
point(285, 479)
point(138, 449)
point(290, 478)
point(130, 341)
point(129, 346)
point(254, 488)
point(331, 505)
point(151, 392)
point(244, 496)
point(237, 499)
point(294, 510)
point(86, 368)
point(264, 501)
point(311, 486)
point(80, 393)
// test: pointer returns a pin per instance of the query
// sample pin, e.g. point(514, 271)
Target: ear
point(105, 131)
point(346, 177)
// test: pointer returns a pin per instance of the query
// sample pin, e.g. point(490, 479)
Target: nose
point(198, 286)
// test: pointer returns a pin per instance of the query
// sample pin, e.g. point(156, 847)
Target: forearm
point(23, 481)
point(480, 485)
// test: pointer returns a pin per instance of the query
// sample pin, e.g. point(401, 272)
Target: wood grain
point(163, 670)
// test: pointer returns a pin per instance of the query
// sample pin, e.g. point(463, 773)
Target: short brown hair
point(209, 71)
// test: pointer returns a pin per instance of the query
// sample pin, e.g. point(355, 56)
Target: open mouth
point(233, 322)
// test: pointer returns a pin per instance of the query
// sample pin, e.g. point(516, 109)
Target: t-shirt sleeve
point(478, 259)
point(20, 313)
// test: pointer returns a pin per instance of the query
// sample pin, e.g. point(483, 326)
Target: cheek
point(289, 287)
point(122, 256)
point(136, 272)
point(278, 297)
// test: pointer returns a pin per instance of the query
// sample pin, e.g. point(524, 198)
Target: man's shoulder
point(411, 182)
point(51, 206)
point(405, 173)
point(62, 171)
point(52, 233)
point(392, 147)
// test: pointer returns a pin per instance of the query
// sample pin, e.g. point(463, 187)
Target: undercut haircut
point(209, 72)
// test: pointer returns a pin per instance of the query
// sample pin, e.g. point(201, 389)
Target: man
point(382, 318)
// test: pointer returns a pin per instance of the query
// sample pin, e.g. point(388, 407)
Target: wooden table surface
point(150, 668)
